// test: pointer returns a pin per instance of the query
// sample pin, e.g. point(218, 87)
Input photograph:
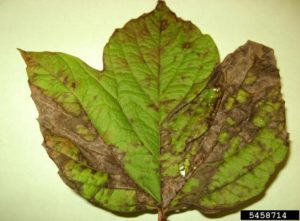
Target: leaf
point(246, 140)
point(163, 125)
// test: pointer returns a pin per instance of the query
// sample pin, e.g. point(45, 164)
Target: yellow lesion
point(242, 96)
point(229, 103)
point(90, 181)
point(170, 165)
point(85, 133)
point(224, 137)
point(266, 111)
point(260, 120)
point(62, 145)
point(250, 79)
point(230, 121)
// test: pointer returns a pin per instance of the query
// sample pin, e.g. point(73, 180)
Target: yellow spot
point(229, 103)
point(242, 96)
point(259, 121)
point(85, 132)
point(223, 137)
point(230, 121)
point(250, 79)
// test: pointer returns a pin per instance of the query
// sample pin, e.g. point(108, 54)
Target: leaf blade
point(179, 133)
point(111, 131)
point(242, 152)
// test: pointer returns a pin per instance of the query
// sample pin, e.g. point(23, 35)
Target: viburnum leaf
point(164, 125)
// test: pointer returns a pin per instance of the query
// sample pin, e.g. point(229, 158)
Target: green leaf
point(162, 126)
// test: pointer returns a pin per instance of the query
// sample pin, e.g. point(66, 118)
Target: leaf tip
point(27, 56)
point(23, 53)
point(20, 50)
point(161, 3)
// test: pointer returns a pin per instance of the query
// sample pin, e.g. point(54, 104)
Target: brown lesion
point(173, 184)
point(154, 107)
point(73, 85)
point(55, 121)
point(30, 61)
point(209, 153)
point(66, 80)
point(186, 45)
point(229, 76)
point(163, 25)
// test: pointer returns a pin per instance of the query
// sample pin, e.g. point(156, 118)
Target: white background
point(30, 188)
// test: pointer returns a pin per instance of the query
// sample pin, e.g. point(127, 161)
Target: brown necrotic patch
point(235, 77)
point(73, 137)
